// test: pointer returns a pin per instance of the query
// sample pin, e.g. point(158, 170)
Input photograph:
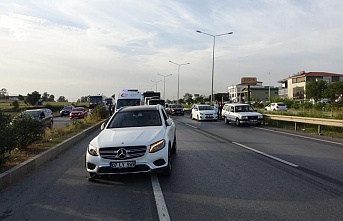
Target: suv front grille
point(122, 153)
point(252, 117)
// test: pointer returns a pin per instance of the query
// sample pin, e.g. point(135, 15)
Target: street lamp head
point(199, 31)
point(230, 33)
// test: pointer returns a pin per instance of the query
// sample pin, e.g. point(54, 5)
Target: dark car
point(42, 115)
point(78, 112)
point(175, 109)
point(66, 110)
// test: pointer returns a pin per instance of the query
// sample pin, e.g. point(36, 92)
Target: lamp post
point(164, 84)
point(156, 83)
point(178, 79)
point(214, 43)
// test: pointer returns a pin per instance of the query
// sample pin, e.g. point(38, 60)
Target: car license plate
point(120, 165)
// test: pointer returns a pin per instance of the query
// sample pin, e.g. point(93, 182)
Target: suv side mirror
point(103, 126)
point(169, 122)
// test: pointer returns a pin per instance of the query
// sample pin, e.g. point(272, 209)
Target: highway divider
point(307, 120)
point(18, 172)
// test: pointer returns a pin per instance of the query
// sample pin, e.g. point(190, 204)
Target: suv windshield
point(136, 119)
point(205, 108)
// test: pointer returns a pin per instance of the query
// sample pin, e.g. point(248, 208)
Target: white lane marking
point(191, 126)
point(296, 135)
point(159, 199)
point(267, 155)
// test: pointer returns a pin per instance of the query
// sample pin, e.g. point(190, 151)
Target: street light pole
point(214, 43)
point(178, 79)
point(156, 83)
point(164, 84)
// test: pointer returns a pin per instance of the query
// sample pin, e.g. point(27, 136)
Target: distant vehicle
point(128, 97)
point(41, 115)
point(150, 94)
point(203, 112)
point(241, 114)
point(78, 112)
point(175, 109)
point(66, 110)
point(154, 101)
point(136, 139)
point(95, 100)
point(279, 106)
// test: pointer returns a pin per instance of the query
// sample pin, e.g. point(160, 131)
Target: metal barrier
point(307, 120)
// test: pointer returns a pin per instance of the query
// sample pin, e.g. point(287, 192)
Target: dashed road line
point(159, 199)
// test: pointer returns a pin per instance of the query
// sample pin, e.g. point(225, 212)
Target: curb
point(18, 172)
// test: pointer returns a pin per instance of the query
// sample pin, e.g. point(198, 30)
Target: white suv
point(241, 114)
point(203, 112)
point(135, 139)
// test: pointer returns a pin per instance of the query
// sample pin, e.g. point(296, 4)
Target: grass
point(51, 138)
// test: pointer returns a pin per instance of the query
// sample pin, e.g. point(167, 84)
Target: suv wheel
point(237, 122)
point(168, 169)
point(174, 145)
point(226, 120)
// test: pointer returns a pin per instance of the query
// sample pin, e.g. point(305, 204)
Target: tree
point(51, 97)
point(33, 98)
point(334, 91)
point(62, 99)
point(45, 96)
point(316, 89)
point(3, 93)
point(21, 97)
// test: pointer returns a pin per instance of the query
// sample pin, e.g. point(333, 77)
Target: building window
point(335, 78)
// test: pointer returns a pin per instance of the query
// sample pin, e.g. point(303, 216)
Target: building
point(238, 93)
point(294, 86)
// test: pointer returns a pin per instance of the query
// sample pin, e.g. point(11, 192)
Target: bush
point(6, 136)
point(26, 131)
point(100, 112)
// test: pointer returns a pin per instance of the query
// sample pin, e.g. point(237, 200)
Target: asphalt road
point(221, 172)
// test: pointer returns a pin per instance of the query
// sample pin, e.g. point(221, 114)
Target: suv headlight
point(260, 116)
point(157, 146)
point(244, 117)
point(92, 150)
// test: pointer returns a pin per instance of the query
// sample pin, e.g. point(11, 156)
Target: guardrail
point(307, 120)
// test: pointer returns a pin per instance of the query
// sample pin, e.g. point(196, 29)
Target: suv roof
point(141, 107)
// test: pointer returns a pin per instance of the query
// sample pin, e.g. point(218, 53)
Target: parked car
point(203, 112)
point(279, 106)
point(78, 112)
point(66, 110)
point(135, 139)
point(175, 109)
point(42, 115)
point(241, 114)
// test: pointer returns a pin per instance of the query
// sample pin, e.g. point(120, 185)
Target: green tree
point(15, 105)
point(3, 93)
point(315, 89)
point(21, 97)
point(45, 96)
point(33, 98)
point(62, 99)
point(51, 97)
point(334, 91)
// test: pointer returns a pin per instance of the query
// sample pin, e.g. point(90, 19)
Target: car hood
point(249, 113)
point(128, 136)
point(207, 112)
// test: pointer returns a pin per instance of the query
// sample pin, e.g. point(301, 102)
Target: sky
point(76, 48)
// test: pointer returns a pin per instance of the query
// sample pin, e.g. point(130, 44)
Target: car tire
point(225, 120)
point(92, 176)
point(168, 169)
point(237, 123)
point(174, 147)
point(258, 124)
point(198, 119)
point(191, 116)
